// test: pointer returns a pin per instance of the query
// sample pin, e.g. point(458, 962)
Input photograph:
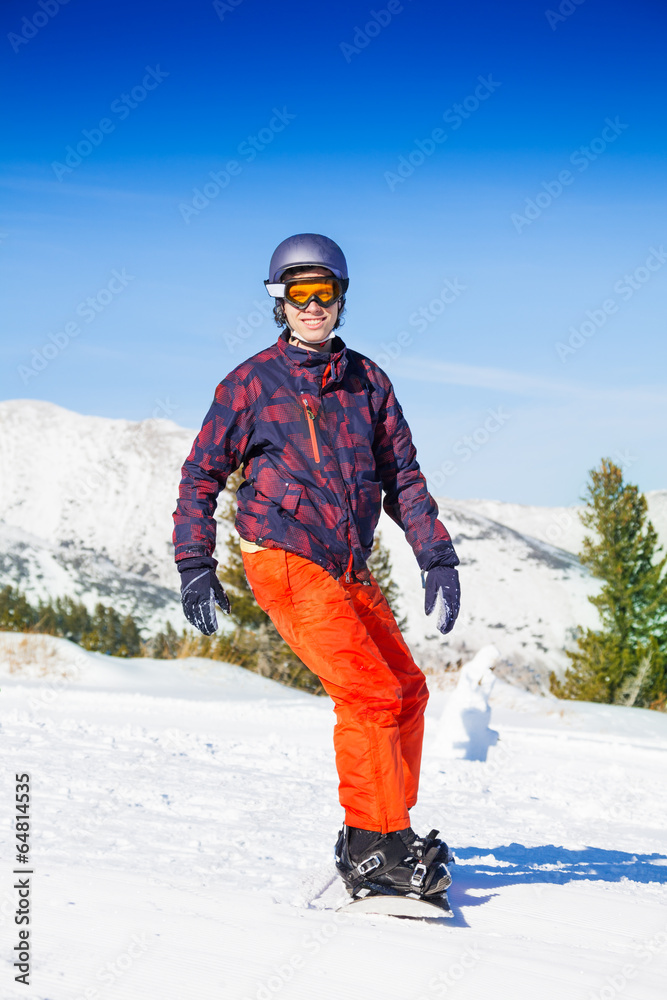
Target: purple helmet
point(308, 249)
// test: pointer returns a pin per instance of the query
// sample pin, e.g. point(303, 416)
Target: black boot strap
point(385, 859)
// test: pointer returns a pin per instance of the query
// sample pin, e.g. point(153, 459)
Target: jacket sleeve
point(218, 450)
point(407, 499)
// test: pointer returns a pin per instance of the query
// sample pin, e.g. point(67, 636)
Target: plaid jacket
point(320, 436)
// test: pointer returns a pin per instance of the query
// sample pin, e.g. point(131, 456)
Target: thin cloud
point(426, 370)
point(36, 185)
point(520, 384)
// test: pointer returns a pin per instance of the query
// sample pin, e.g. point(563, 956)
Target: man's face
point(314, 323)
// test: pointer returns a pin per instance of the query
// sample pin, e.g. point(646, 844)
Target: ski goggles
point(300, 292)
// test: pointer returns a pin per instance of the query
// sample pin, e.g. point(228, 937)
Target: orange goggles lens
point(326, 291)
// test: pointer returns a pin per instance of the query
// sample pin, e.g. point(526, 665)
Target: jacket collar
point(312, 363)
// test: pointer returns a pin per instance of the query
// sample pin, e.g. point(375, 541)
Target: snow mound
point(29, 658)
point(182, 843)
point(464, 726)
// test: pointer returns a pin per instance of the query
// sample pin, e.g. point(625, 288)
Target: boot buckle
point(369, 865)
point(418, 875)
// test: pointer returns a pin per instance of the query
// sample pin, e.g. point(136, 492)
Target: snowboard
point(399, 906)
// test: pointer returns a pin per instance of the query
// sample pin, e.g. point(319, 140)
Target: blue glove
point(200, 590)
point(442, 589)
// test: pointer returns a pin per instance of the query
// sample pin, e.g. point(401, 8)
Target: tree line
point(102, 630)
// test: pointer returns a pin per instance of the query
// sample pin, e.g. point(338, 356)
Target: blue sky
point(510, 282)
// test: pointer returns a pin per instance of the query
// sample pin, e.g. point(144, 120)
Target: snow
point(184, 815)
point(560, 526)
point(464, 726)
point(86, 507)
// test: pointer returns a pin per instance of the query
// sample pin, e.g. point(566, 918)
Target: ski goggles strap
point(300, 292)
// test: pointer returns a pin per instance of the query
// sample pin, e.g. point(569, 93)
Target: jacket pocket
point(291, 498)
point(284, 500)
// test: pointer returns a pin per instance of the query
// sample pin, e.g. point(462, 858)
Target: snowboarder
point(320, 435)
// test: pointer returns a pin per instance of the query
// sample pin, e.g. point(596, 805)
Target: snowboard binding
point(393, 864)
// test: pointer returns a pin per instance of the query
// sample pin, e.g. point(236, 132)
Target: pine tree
point(73, 618)
point(130, 638)
point(625, 661)
point(104, 631)
point(16, 612)
point(164, 645)
point(380, 566)
point(245, 613)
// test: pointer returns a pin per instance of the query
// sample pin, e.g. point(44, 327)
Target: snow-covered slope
point(86, 508)
point(43, 569)
point(520, 594)
point(182, 843)
point(558, 526)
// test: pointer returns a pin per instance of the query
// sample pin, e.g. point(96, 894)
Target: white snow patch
point(183, 823)
point(464, 725)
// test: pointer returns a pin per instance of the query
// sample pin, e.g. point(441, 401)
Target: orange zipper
point(316, 452)
point(311, 426)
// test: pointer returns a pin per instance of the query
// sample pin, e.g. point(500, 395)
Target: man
point(320, 434)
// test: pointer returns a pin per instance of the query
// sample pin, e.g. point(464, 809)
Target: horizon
point(162, 409)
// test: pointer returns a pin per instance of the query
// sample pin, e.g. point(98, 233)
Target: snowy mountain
point(86, 507)
point(560, 525)
point(184, 820)
point(522, 595)
point(43, 569)
point(86, 511)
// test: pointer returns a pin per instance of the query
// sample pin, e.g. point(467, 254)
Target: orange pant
point(346, 634)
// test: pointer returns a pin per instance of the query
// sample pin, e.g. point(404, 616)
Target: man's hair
point(279, 312)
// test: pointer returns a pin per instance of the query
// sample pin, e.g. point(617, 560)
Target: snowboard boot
point(371, 862)
point(424, 844)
